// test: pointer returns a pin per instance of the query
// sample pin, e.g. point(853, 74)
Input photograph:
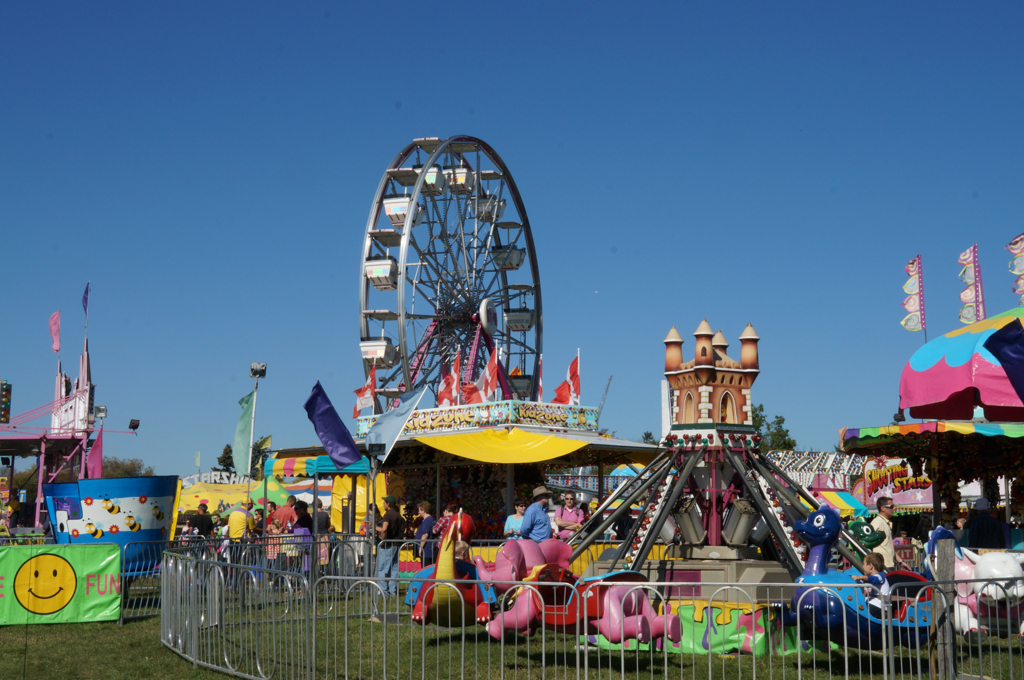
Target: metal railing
point(339, 555)
point(255, 622)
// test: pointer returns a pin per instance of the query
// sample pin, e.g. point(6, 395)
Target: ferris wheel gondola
point(449, 269)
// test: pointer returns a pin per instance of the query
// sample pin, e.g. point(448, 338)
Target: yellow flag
point(264, 443)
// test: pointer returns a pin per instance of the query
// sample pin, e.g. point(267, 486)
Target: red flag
point(94, 461)
point(569, 391)
point(487, 383)
point(471, 395)
point(55, 330)
point(447, 396)
point(365, 394)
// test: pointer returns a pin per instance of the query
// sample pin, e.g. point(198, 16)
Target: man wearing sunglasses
point(883, 523)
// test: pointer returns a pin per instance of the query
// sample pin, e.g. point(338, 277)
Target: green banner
point(59, 583)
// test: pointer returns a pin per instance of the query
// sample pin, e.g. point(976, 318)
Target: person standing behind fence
point(536, 525)
point(568, 517)
point(389, 530)
point(236, 525)
point(323, 519)
point(883, 523)
point(286, 513)
point(273, 541)
point(985, 530)
point(259, 524)
point(426, 548)
point(202, 522)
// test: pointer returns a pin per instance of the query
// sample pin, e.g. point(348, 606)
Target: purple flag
point(333, 434)
point(1007, 345)
point(94, 461)
point(85, 299)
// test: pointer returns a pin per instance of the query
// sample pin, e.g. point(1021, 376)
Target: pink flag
point(55, 330)
point(94, 461)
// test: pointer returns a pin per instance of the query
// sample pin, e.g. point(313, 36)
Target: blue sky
point(210, 168)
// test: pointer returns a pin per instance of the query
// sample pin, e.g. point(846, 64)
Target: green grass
point(88, 651)
point(106, 651)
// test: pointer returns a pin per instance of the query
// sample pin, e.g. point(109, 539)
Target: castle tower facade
point(712, 388)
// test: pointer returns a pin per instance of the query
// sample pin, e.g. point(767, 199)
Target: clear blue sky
point(209, 167)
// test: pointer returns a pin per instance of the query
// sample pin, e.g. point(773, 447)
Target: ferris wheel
point(449, 270)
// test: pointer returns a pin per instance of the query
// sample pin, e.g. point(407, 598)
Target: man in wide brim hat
point(536, 523)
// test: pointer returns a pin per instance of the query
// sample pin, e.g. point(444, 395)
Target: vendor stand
point(483, 456)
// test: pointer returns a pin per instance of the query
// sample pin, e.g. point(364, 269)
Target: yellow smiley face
point(45, 584)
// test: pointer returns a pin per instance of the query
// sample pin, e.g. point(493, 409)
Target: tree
point(774, 435)
point(648, 438)
point(225, 461)
point(114, 467)
point(259, 457)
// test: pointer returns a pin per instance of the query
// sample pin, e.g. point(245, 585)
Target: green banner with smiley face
point(59, 583)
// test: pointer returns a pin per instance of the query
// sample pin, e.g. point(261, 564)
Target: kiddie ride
point(829, 604)
point(614, 605)
point(993, 594)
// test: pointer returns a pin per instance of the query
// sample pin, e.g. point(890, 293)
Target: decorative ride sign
point(492, 414)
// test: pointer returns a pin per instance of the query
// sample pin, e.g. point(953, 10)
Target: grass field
point(92, 651)
point(106, 651)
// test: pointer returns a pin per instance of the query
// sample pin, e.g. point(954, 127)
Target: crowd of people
point(251, 522)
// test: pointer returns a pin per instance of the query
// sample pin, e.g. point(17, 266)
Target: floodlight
point(133, 425)
point(100, 411)
point(257, 370)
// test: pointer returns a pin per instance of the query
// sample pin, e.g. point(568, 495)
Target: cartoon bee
point(110, 506)
point(130, 522)
point(158, 513)
point(91, 529)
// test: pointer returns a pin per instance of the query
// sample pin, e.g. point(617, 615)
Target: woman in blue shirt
point(515, 522)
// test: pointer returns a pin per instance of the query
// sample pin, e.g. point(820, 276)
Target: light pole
point(256, 371)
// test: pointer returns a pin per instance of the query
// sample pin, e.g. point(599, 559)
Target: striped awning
point(307, 466)
point(857, 438)
point(843, 502)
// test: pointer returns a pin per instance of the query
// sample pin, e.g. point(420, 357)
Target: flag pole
point(248, 470)
point(578, 374)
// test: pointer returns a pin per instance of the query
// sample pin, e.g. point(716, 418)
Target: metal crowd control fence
point(256, 622)
point(339, 555)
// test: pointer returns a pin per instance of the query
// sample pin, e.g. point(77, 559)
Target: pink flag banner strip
point(972, 297)
point(1016, 248)
point(914, 302)
point(55, 330)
